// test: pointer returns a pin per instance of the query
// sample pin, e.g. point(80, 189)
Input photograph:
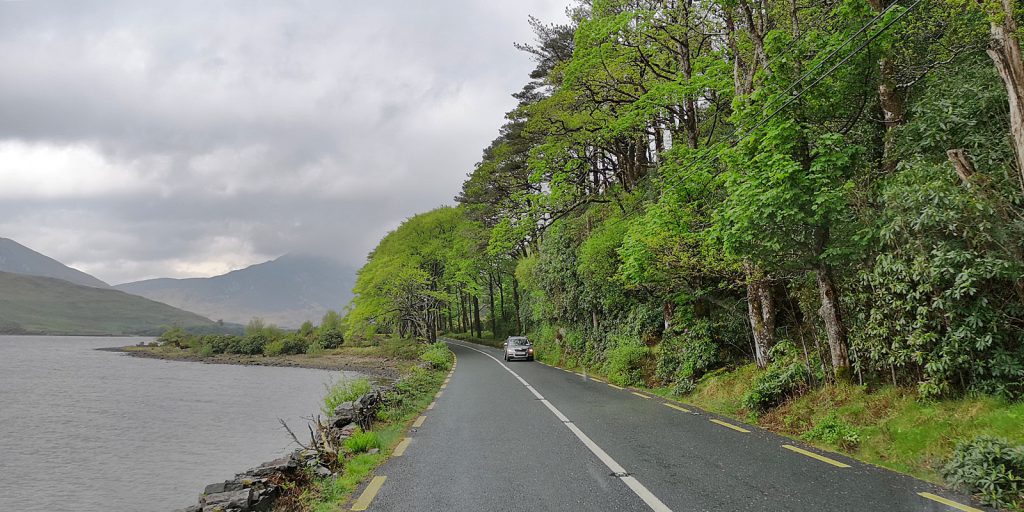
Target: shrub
point(251, 344)
point(684, 387)
point(290, 344)
point(361, 441)
point(624, 363)
point(345, 390)
point(688, 355)
point(438, 355)
point(784, 378)
point(989, 468)
point(834, 431)
point(330, 338)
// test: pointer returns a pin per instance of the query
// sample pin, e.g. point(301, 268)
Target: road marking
point(369, 494)
point(431, 406)
point(438, 395)
point(950, 503)
point(676, 407)
point(400, 449)
point(641, 395)
point(638, 488)
point(730, 425)
point(614, 386)
point(595, 379)
point(813, 455)
point(419, 422)
point(444, 386)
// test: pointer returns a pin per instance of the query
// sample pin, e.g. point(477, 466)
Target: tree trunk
point(761, 310)
point(1004, 49)
point(490, 297)
point(668, 310)
point(834, 328)
point(476, 317)
point(515, 303)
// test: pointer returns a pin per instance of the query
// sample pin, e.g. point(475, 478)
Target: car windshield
point(520, 342)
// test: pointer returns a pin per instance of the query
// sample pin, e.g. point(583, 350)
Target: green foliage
point(784, 378)
point(623, 364)
point(990, 468)
point(361, 441)
point(834, 431)
point(943, 291)
point(344, 390)
point(438, 355)
point(687, 356)
point(289, 344)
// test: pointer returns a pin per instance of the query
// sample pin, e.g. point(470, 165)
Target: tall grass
point(344, 390)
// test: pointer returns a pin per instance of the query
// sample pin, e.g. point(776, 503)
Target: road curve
point(525, 436)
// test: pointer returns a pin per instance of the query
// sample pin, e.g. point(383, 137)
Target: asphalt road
point(525, 436)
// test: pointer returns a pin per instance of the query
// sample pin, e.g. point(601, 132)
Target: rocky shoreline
point(378, 368)
point(272, 483)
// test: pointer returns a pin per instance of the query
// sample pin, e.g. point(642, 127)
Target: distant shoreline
point(382, 368)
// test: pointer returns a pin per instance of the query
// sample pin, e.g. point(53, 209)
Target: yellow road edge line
point(444, 386)
point(676, 407)
point(951, 503)
point(614, 386)
point(369, 493)
point(400, 449)
point(419, 422)
point(730, 425)
point(595, 379)
point(813, 455)
point(580, 374)
point(431, 406)
point(438, 395)
point(641, 395)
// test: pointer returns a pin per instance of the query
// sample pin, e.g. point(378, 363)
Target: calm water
point(86, 430)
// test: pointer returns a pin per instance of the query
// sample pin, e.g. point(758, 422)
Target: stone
point(345, 413)
point(282, 465)
point(237, 500)
point(193, 508)
point(373, 451)
point(322, 472)
point(225, 486)
point(349, 429)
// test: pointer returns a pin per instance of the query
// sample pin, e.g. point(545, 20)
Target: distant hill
point(18, 259)
point(286, 291)
point(44, 305)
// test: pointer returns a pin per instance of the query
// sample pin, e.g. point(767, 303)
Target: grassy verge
point(413, 392)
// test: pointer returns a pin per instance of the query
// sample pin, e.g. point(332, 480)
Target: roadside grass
point(413, 393)
point(381, 346)
point(344, 390)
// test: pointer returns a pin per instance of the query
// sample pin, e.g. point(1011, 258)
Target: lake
point(89, 430)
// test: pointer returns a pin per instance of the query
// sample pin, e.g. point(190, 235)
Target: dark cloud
point(187, 138)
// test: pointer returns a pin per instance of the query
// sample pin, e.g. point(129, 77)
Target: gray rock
point(349, 429)
point(373, 451)
point(282, 465)
point(232, 500)
point(345, 413)
point(193, 508)
point(322, 472)
point(225, 486)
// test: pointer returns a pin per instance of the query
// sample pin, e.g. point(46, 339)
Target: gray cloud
point(188, 138)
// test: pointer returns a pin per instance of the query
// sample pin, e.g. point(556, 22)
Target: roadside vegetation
point(807, 216)
point(364, 451)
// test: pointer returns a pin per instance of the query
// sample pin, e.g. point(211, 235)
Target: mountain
point(44, 305)
point(286, 291)
point(18, 259)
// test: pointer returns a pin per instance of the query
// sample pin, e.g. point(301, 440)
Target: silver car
point(518, 347)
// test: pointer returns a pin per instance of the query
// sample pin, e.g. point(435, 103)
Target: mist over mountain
point(286, 291)
point(18, 259)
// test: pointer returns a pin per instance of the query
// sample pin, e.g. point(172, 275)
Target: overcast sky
point(190, 138)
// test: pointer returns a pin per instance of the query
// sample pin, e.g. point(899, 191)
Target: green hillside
point(43, 305)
